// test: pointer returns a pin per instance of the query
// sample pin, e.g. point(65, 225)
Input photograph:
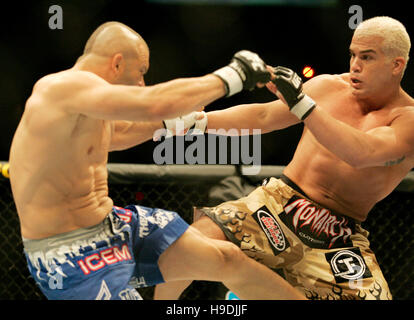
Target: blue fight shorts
point(106, 261)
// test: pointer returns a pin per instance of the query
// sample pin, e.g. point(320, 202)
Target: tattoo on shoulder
point(394, 162)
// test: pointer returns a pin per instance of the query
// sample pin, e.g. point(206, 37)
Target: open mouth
point(356, 83)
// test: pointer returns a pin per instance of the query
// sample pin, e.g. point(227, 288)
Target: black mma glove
point(289, 84)
point(245, 70)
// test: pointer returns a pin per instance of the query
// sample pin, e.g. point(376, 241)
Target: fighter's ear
point(398, 65)
point(117, 63)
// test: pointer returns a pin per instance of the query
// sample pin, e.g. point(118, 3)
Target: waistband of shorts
point(295, 187)
point(98, 231)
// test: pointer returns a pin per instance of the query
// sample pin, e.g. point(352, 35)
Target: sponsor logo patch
point(317, 227)
point(348, 265)
point(272, 230)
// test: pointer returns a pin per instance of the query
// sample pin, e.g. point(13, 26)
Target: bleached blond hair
point(396, 41)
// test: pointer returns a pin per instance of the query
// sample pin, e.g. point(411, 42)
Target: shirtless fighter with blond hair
point(357, 146)
point(71, 230)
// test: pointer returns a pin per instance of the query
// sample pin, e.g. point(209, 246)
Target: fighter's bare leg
point(209, 228)
point(172, 290)
point(195, 256)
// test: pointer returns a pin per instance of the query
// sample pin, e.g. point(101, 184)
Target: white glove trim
point(186, 122)
point(200, 125)
point(232, 79)
point(303, 107)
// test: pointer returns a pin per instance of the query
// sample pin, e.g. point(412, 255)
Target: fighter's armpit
point(394, 162)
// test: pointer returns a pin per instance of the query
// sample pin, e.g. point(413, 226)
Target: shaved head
point(117, 53)
point(111, 38)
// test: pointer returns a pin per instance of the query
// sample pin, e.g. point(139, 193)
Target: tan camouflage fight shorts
point(323, 254)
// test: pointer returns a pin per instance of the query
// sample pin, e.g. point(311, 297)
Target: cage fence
point(179, 188)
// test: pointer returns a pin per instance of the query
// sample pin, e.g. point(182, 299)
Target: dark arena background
point(193, 38)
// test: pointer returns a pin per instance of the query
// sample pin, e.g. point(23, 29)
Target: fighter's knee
point(232, 256)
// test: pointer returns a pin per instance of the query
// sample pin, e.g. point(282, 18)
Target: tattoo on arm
point(394, 162)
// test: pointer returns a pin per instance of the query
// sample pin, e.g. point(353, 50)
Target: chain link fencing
point(179, 188)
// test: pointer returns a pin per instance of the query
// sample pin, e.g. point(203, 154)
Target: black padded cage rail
point(179, 188)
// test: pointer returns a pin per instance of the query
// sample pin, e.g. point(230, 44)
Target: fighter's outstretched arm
point(85, 93)
point(81, 92)
point(127, 134)
point(267, 117)
point(264, 116)
point(382, 146)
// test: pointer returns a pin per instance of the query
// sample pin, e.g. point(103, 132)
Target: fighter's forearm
point(266, 117)
point(182, 96)
point(355, 147)
point(231, 121)
point(245, 71)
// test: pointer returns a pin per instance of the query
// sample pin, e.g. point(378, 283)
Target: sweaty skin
point(73, 118)
point(357, 145)
point(334, 183)
point(68, 190)
point(60, 149)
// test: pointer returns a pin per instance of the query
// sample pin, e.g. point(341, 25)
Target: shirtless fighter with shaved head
point(79, 245)
point(357, 146)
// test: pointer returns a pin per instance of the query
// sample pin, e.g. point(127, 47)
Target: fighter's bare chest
point(94, 138)
point(350, 112)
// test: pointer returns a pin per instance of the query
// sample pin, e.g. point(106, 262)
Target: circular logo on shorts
point(348, 265)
